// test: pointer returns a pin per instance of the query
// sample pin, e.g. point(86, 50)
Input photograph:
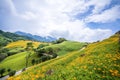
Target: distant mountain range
point(36, 37)
point(7, 37)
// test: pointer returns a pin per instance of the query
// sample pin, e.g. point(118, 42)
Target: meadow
point(18, 60)
point(98, 61)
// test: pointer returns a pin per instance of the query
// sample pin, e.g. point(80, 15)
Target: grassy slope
point(100, 62)
point(17, 61)
point(66, 47)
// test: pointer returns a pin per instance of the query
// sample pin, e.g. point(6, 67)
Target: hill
point(66, 47)
point(17, 61)
point(7, 37)
point(98, 61)
point(36, 37)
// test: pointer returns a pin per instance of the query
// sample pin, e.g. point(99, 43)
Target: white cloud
point(28, 16)
point(99, 5)
point(54, 17)
point(107, 16)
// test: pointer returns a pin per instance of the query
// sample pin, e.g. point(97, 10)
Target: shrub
point(50, 50)
point(44, 58)
point(37, 61)
point(11, 53)
point(60, 40)
point(41, 46)
point(33, 61)
point(54, 55)
point(9, 70)
point(2, 70)
point(23, 69)
point(40, 52)
point(2, 56)
point(12, 73)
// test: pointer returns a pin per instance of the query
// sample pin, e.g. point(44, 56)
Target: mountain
point(7, 37)
point(36, 37)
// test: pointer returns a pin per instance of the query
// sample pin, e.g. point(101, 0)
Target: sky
point(78, 20)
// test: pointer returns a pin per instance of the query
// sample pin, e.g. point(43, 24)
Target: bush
point(40, 52)
point(9, 70)
point(2, 56)
point(49, 50)
point(23, 69)
point(2, 71)
point(4, 50)
point(38, 61)
point(54, 55)
point(41, 46)
point(11, 53)
point(33, 61)
point(44, 58)
point(12, 73)
point(60, 40)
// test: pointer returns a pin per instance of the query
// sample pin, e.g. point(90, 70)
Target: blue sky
point(78, 20)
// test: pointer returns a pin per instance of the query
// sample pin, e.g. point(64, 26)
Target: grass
point(99, 61)
point(17, 61)
point(66, 47)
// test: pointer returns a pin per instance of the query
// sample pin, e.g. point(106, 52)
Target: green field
point(17, 61)
point(99, 61)
point(66, 47)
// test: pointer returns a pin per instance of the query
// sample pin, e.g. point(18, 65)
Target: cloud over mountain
point(57, 18)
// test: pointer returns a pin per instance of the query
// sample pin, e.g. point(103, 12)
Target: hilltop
point(99, 60)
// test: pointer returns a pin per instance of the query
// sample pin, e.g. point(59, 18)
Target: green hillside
point(17, 61)
point(66, 46)
point(98, 61)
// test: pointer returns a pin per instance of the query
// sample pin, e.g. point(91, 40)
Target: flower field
point(21, 43)
point(98, 61)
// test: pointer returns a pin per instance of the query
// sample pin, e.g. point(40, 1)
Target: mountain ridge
point(36, 37)
point(7, 37)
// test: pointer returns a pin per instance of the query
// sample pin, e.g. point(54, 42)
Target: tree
point(60, 40)
point(41, 46)
point(9, 70)
point(29, 49)
point(50, 50)
point(40, 52)
point(2, 70)
point(54, 55)
point(33, 61)
point(45, 58)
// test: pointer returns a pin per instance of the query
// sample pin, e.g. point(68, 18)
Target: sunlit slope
point(99, 61)
point(21, 43)
point(66, 47)
point(17, 61)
